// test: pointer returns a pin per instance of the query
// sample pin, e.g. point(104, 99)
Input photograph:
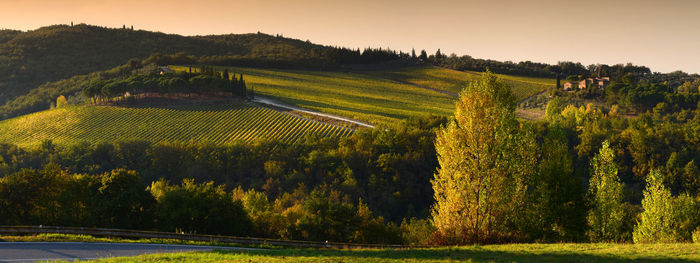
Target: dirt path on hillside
point(268, 101)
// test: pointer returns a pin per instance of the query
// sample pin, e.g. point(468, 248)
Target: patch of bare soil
point(530, 114)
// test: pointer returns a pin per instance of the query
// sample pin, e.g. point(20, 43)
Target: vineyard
point(374, 96)
point(358, 96)
point(453, 81)
point(218, 123)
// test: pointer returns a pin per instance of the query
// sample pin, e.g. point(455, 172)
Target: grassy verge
point(94, 239)
point(495, 253)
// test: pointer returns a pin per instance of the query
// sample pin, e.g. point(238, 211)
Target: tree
point(558, 82)
point(226, 75)
point(242, 86)
point(413, 53)
point(605, 218)
point(199, 208)
point(554, 109)
point(61, 101)
point(120, 200)
point(656, 222)
point(556, 210)
point(423, 55)
point(484, 157)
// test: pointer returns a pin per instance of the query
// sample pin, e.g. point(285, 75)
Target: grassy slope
point(378, 97)
point(453, 80)
point(47, 54)
point(221, 123)
point(358, 96)
point(496, 253)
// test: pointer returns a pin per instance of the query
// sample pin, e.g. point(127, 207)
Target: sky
point(661, 34)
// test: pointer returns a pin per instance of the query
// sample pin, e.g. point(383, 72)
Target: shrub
point(61, 101)
point(416, 231)
point(696, 235)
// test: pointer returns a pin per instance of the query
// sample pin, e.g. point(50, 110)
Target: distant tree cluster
point(204, 80)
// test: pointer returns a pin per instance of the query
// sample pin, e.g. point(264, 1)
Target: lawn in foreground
point(52, 237)
point(492, 253)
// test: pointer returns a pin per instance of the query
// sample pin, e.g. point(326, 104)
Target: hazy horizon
point(660, 35)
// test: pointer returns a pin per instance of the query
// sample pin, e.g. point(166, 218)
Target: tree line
point(117, 199)
point(203, 80)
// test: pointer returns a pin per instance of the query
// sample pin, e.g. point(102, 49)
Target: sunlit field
point(358, 96)
point(215, 123)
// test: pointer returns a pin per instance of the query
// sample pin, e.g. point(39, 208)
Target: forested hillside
point(28, 59)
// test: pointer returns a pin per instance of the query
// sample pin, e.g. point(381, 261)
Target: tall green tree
point(606, 216)
point(484, 157)
point(556, 208)
point(656, 222)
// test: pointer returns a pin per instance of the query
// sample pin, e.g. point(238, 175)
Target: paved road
point(267, 101)
point(41, 251)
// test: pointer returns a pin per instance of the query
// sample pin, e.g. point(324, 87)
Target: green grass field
point(492, 253)
point(377, 96)
point(205, 122)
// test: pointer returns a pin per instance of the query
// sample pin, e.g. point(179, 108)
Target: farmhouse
point(599, 83)
point(569, 85)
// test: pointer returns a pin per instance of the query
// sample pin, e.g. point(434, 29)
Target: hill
point(28, 59)
point(223, 122)
point(374, 96)
point(355, 95)
point(453, 81)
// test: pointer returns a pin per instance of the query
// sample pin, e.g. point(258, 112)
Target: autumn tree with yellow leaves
point(485, 156)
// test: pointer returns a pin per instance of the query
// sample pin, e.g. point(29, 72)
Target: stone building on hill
point(600, 83)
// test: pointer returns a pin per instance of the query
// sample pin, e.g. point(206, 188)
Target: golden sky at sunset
point(661, 34)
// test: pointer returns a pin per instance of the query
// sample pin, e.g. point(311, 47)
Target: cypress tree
point(423, 55)
point(558, 82)
point(241, 84)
